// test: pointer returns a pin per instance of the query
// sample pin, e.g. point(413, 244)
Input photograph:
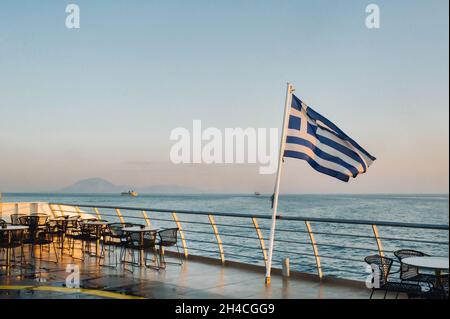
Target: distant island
point(100, 185)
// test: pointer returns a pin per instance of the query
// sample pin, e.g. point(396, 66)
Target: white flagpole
point(287, 105)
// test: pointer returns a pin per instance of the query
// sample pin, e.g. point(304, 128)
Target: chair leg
point(155, 253)
point(162, 258)
point(56, 253)
point(22, 257)
point(179, 254)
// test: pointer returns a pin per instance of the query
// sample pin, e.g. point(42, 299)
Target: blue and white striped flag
point(315, 139)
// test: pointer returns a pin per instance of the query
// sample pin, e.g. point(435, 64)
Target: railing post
point(147, 220)
point(261, 239)
point(97, 212)
point(377, 238)
point(314, 246)
point(120, 216)
point(219, 241)
point(180, 229)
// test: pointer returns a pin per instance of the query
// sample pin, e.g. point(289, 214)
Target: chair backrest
point(168, 236)
point(17, 236)
point(73, 222)
point(407, 271)
point(116, 229)
point(15, 219)
point(383, 264)
point(405, 253)
point(35, 221)
point(87, 229)
point(3, 236)
point(149, 239)
point(54, 225)
point(43, 235)
point(24, 220)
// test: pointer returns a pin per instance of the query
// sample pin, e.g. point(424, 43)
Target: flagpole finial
point(291, 88)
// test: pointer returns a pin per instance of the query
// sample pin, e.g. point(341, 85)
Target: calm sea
point(294, 241)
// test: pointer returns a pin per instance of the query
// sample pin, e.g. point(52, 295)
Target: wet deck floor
point(193, 279)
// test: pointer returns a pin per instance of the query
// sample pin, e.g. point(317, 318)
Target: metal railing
point(324, 246)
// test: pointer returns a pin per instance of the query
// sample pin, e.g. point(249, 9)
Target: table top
point(96, 222)
point(427, 262)
point(13, 227)
point(65, 218)
point(137, 229)
point(59, 219)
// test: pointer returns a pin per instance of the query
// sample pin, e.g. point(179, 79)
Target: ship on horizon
point(129, 193)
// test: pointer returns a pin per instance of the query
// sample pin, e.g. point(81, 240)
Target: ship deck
point(196, 278)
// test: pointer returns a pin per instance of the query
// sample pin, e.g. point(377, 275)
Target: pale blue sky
point(102, 100)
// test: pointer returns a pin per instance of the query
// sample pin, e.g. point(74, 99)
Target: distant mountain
point(93, 185)
point(100, 185)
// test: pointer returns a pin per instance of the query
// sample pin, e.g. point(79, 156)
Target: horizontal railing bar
point(292, 253)
point(158, 219)
point(290, 241)
point(346, 247)
point(320, 233)
point(197, 232)
point(198, 241)
point(415, 240)
point(217, 224)
point(287, 218)
point(199, 249)
point(286, 230)
point(341, 258)
point(242, 256)
point(221, 234)
point(344, 235)
point(239, 246)
point(194, 222)
point(235, 226)
point(238, 236)
point(224, 244)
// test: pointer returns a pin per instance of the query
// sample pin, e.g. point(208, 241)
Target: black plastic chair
point(113, 237)
point(84, 233)
point(44, 237)
point(133, 243)
point(411, 273)
point(12, 240)
point(383, 266)
point(57, 229)
point(441, 291)
point(34, 223)
point(168, 238)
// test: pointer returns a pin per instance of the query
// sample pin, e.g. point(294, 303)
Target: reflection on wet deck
point(193, 279)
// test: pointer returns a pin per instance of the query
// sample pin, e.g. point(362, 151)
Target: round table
point(9, 229)
point(437, 264)
point(141, 230)
point(98, 224)
point(426, 262)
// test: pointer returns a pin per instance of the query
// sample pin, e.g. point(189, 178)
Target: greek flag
point(315, 139)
